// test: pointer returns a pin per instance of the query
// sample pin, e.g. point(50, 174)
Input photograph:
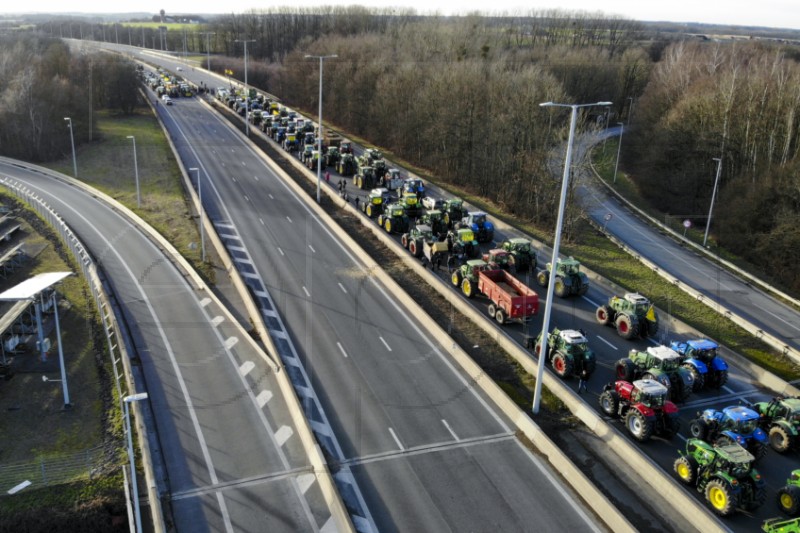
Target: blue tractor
point(701, 359)
point(479, 224)
point(737, 424)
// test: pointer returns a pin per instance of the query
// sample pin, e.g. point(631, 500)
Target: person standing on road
point(583, 381)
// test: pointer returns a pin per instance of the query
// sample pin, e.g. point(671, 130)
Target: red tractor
point(644, 407)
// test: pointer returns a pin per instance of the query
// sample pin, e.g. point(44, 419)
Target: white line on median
point(255, 177)
point(399, 444)
point(339, 344)
point(343, 289)
point(271, 197)
point(281, 251)
point(289, 219)
point(385, 343)
point(262, 221)
point(312, 248)
point(246, 199)
point(453, 433)
point(605, 341)
point(308, 294)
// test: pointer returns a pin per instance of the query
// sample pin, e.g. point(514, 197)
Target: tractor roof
point(424, 228)
point(380, 191)
point(497, 251)
point(465, 234)
point(433, 213)
point(650, 386)
point(570, 261)
point(703, 344)
point(636, 298)
point(519, 240)
point(476, 263)
point(735, 453)
point(571, 336)
point(662, 352)
point(792, 403)
point(477, 213)
point(740, 413)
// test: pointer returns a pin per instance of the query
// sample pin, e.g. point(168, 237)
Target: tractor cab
point(568, 267)
point(397, 210)
point(473, 266)
point(466, 235)
point(425, 232)
point(575, 342)
point(664, 358)
point(520, 245)
point(308, 138)
point(704, 350)
point(346, 147)
point(650, 393)
point(740, 419)
point(379, 196)
point(638, 304)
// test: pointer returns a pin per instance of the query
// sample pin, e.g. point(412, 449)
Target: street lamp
point(134, 488)
point(630, 109)
point(319, 140)
point(537, 394)
point(136, 170)
point(72, 140)
point(246, 95)
point(619, 148)
point(202, 217)
point(713, 196)
point(208, 49)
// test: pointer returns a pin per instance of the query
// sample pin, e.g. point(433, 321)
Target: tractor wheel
point(651, 328)
point(671, 426)
point(414, 248)
point(468, 288)
point(542, 278)
point(686, 468)
point(639, 425)
point(561, 289)
point(491, 310)
point(357, 181)
point(387, 225)
point(446, 219)
point(455, 278)
point(699, 429)
point(758, 449)
point(663, 379)
point(789, 499)
point(779, 439)
point(404, 240)
point(603, 315)
point(720, 379)
point(680, 392)
point(562, 365)
point(699, 379)
point(369, 210)
point(609, 402)
point(583, 289)
point(624, 369)
point(625, 327)
point(512, 264)
point(500, 316)
point(380, 220)
point(720, 496)
point(724, 440)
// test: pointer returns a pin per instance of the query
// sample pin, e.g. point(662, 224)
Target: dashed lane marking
point(394, 436)
point(263, 397)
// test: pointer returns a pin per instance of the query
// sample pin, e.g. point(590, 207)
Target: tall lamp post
point(319, 140)
point(208, 49)
point(619, 148)
point(134, 488)
point(72, 140)
point(246, 92)
point(713, 197)
point(537, 394)
point(136, 170)
point(202, 216)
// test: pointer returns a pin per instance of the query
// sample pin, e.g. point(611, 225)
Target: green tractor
point(633, 315)
point(781, 525)
point(463, 242)
point(365, 178)
point(568, 352)
point(724, 474)
point(411, 203)
point(569, 278)
point(331, 157)
point(466, 276)
point(658, 363)
point(523, 252)
point(373, 204)
point(369, 156)
point(346, 165)
point(780, 418)
point(454, 211)
point(394, 219)
point(434, 219)
point(789, 495)
point(415, 238)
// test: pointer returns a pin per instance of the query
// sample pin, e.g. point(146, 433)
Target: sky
point(769, 13)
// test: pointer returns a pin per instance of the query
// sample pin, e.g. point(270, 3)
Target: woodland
point(459, 97)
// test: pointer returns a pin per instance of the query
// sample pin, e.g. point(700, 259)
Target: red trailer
point(511, 299)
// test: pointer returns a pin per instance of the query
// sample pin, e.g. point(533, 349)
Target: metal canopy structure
point(32, 287)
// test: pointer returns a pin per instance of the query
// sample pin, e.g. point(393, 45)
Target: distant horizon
point(768, 14)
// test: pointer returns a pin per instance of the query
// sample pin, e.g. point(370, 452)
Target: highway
point(426, 450)
point(205, 382)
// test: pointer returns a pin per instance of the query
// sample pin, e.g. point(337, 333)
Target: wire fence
point(55, 470)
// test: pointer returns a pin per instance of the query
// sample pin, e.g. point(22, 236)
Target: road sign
point(609, 216)
point(687, 223)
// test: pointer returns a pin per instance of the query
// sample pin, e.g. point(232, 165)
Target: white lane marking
point(217, 320)
point(233, 178)
point(605, 341)
point(289, 219)
point(205, 301)
point(255, 177)
point(281, 251)
point(399, 444)
point(308, 294)
point(725, 397)
point(312, 248)
point(304, 482)
point(230, 342)
point(263, 397)
point(343, 289)
point(271, 197)
point(283, 434)
point(591, 301)
point(793, 326)
point(728, 389)
point(453, 433)
point(262, 221)
point(341, 348)
point(246, 368)
point(244, 164)
point(385, 343)
point(247, 198)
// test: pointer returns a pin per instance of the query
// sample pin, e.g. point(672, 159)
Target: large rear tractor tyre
point(779, 439)
point(625, 327)
point(380, 220)
point(562, 365)
point(789, 500)
point(603, 315)
point(583, 290)
point(387, 225)
point(698, 378)
point(404, 240)
point(686, 468)
point(468, 288)
point(651, 328)
point(369, 210)
point(724, 440)
point(609, 402)
point(414, 248)
point(624, 369)
point(758, 449)
point(542, 278)
point(512, 264)
point(561, 289)
point(639, 425)
point(455, 278)
point(720, 496)
point(500, 317)
point(679, 392)
point(720, 379)
point(698, 429)
point(671, 426)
